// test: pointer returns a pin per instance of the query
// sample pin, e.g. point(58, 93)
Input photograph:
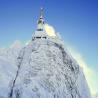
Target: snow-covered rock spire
point(42, 69)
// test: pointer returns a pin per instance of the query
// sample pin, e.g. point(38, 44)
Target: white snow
point(41, 69)
point(8, 67)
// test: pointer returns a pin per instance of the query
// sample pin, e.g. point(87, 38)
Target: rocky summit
point(41, 69)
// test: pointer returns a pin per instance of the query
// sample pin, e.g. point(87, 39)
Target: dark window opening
point(39, 29)
point(44, 37)
point(38, 37)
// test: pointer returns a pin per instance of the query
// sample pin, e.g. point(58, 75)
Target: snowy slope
point(46, 70)
point(8, 67)
point(42, 69)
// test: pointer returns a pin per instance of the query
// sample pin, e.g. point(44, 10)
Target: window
point(44, 37)
point(38, 37)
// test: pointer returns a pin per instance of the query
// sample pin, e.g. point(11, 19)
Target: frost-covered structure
point(42, 69)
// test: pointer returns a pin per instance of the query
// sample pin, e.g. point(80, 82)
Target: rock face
point(46, 70)
point(41, 69)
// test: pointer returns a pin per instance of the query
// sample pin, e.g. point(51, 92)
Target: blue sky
point(76, 20)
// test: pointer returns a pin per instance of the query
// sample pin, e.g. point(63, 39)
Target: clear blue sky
point(76, 20)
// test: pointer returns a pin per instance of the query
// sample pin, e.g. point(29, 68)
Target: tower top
point(43, 30)
point(41, 20)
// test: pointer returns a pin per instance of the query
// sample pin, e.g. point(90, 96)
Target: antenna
point(41, 20)
point(41, 12)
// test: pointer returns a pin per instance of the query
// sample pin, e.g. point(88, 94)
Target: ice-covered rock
point(8, 67)
point(41, 69)
point(46, 70)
